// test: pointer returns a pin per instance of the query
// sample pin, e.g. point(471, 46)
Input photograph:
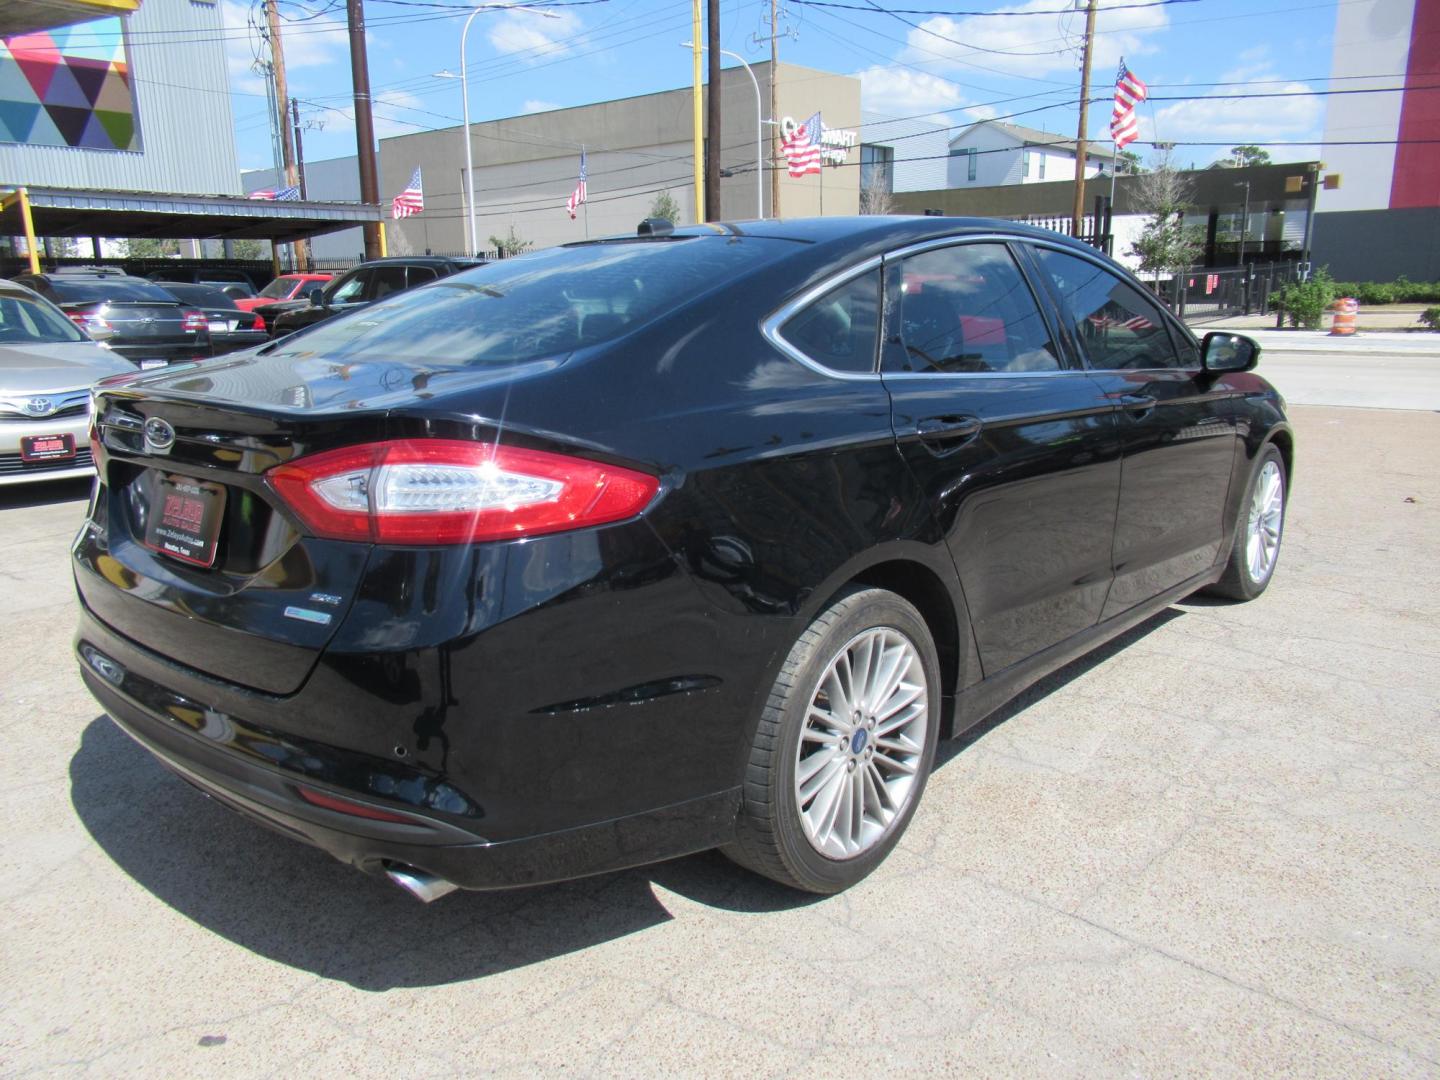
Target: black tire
point(771, 839)
point(1238, 582)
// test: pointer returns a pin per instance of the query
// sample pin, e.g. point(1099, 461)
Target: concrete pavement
point(1211, 849)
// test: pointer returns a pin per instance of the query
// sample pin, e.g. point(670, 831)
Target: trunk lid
point(263, 612)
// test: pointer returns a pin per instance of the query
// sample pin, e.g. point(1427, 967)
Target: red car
point(284, 287)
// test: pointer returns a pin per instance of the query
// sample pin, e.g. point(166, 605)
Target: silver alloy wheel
point(861, 746)
point(1267, 514)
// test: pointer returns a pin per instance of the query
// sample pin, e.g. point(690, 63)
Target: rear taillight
point(195, 320)
point(90, 323)
point(259, 323)
point(444, 491)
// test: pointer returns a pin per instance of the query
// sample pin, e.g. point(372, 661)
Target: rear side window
point(968, 308)
point(545, 304)
point(839, 330)
point(419, 275)
point(101, 289)
point(1118, 327)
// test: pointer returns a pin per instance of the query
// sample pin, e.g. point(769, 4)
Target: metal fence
point(1206, 294)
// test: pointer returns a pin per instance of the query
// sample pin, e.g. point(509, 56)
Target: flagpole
point(1114, 172)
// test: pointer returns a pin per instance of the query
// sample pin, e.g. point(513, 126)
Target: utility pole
point(697, 47)
point(282, 99)
point(1078, 216)
point(364, 123)
point(712, 119)
point(299, 147)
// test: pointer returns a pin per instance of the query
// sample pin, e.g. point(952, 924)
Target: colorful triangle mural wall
point(68, 87)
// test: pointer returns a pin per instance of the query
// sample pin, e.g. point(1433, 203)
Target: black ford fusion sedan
point(637, 547)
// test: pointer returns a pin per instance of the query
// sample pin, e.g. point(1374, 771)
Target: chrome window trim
point(770, 327)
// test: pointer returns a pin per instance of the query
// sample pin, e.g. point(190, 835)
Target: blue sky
point(521, 62)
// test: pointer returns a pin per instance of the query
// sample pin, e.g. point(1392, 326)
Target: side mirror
point(1221, 352)
point(316, 295)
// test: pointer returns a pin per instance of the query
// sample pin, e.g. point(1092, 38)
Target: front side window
point(968, 308)
point(351, 288)
point(838, 331)
point(1117, 326)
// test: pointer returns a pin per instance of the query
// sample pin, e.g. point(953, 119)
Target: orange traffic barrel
point(1345, 310)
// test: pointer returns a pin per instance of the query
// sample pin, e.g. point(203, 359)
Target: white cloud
point(898, 91)
point(1243, 120)
point(310, 44)
point(1024, 44)
point(535, 35)
point(534, 105)
point(390, 114)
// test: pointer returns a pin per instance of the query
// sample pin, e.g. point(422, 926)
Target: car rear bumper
point(260, 774)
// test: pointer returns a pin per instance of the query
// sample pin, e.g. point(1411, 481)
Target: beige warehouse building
point(526, 166)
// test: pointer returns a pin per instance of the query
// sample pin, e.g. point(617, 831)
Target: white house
point(991, 153)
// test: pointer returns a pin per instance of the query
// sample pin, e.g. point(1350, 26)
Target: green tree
point(248, 249)
point(511, 244)
point(665, 207)
point(1243, 155)
point(1165, 244)
point(1129, 162)
point(149, 248)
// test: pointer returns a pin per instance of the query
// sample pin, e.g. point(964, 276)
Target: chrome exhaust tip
point(425, 887)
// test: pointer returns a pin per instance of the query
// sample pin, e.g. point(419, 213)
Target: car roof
point(423, 260)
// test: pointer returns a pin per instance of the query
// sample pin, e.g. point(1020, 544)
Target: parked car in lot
point(236, 282)
point(47, 366)
point(231, 328)
point(359, 287)
point(285, 287)
point(636, 547)
point(135, 317)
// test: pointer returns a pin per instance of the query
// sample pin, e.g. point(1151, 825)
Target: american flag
point(284, 194)
point(578, 195)
point(802, 148)
point(1129, 92)
point(410, 201)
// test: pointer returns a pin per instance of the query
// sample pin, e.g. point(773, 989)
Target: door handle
point(1139, 404)
point(949, 432)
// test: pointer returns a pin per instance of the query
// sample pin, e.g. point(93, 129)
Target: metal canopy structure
point(68, 212)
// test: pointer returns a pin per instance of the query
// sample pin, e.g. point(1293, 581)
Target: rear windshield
point(198, 295)
point(28, 320)
point(541, 305)
point(91, 290)
point(279, 288)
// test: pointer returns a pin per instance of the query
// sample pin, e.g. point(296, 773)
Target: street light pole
point(470, 231)
point(759, 128)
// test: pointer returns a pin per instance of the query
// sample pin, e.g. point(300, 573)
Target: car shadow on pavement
point(1056, 680)
point(22, 496)
point(297, 906)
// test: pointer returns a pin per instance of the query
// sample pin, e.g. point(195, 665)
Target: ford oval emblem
point(159, 435)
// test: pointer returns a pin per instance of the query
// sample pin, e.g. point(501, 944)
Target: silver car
point(47, 366)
